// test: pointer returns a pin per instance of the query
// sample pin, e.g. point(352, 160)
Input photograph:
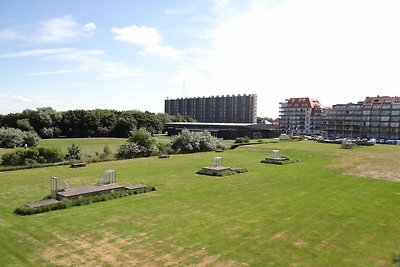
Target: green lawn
point(89, 146)
point(303, 214)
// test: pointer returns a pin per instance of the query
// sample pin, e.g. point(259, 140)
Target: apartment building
point(216, 109)
point(301, 116)
point(375, 117)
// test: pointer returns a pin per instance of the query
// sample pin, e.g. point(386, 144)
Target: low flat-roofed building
point(226, 130)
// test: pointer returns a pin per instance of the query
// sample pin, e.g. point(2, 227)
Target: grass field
point(322, 211)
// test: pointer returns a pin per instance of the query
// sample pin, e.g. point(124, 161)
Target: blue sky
point(134, 54)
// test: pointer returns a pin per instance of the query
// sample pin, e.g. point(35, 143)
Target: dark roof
point(207, 124)
point(191, 125)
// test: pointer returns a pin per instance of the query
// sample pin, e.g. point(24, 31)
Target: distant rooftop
point(210, 123)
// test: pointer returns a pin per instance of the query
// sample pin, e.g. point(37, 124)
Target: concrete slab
point(42, 203)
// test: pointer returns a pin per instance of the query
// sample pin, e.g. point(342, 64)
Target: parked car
point(391, 142)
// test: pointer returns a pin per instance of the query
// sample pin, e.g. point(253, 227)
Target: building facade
point(375, 117)
point(218, 109)
point(226, 130)
point(301, 116)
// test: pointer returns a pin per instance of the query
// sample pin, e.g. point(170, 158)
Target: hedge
point(67, 203)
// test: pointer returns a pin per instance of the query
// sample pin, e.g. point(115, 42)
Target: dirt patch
point(373, 165)
point(279, 235)
point(114, 250)
point(300, 243)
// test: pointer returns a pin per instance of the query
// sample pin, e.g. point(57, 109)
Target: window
point(385, 118)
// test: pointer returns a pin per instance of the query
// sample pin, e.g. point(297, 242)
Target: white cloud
point(13, 102)
point(10, 98)
point(36, 52)
point(141, 35)
point(10, 34)
point(81, 61)
point(58, 29)
point(89, 27)
point(336, 51)
point(148, 37)
point(54, 30)
point(165, 51)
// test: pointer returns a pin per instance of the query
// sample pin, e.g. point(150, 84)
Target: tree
point(124, 125)
point(24, 125)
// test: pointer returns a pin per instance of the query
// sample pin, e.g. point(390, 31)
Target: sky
point(133, 54)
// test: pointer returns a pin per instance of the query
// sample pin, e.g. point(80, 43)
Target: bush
point(31, 138)
point(241, 140)
point(11, 137)
point(51, 155)
point(107, 153)
point(74, 152)
point(132, 150)
point(143, 138)
point(32, 156)
point(140, 144)
point(187, 142)
point(165, 149)
point(396, 259)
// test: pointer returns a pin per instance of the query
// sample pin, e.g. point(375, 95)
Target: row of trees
point(49, 123)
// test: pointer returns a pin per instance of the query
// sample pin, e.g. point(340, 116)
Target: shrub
point(396, 259)
point(51, 155)
point(32, 156)
point(31, 138)
point(140, 144)
point(143, 138)
point(132, 150)
point(164, 149)
point(74, 152)
point(11, 137)
point(12, 159)
point(187, 142)
point(107, 153)
point(241, 140)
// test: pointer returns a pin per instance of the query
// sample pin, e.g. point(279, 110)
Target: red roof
point(303, 102)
